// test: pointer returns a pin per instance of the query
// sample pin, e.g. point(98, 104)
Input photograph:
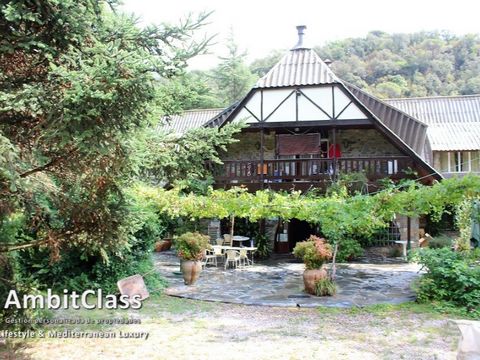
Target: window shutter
point(298, 144)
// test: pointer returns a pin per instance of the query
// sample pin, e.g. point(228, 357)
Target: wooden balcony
point(305, 173)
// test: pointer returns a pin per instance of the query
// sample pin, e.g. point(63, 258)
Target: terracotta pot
point(191, 270)
point(310, 277)
point(163, 245)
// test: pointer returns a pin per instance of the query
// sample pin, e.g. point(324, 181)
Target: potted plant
point(314, 252)
point(190, 248)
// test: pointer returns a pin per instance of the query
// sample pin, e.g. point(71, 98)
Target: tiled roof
point(298, 67)
point(408, 128)
point(453, 121)
point(189, 119)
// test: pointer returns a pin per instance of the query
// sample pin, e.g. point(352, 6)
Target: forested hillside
point(387, 65)
point(419, 64)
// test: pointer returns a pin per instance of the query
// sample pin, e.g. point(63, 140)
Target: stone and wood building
point(306, 128)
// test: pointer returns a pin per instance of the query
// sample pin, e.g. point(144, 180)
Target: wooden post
point(334, 262)
point(409, 235)
point(262, 144)
point(232, 224)
point(334, 154)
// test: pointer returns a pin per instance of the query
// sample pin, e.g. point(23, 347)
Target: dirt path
point(185, 329)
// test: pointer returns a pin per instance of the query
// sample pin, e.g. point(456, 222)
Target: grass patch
point(434, 310)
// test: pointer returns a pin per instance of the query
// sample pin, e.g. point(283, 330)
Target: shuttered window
point(298, 144)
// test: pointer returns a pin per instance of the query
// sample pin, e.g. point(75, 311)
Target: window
point(458, 161)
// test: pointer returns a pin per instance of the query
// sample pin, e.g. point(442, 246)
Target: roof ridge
point(301, 61)
point(382, 101)
point(432, 97)
point(204, 109)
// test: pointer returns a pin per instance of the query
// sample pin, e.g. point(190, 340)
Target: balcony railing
point(309, 170)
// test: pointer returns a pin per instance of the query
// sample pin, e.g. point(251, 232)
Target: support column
point(262, 157)
point(334, 138)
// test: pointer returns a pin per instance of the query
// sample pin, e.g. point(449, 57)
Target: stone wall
point(364, 142)
point(353, 143)
point(270, 230)
point(402, 223)
point(248, 148)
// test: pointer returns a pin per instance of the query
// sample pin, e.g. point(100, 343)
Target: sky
point(260, 26)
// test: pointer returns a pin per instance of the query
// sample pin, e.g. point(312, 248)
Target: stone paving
point(280, 283)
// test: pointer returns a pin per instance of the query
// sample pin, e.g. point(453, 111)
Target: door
point(299, 230)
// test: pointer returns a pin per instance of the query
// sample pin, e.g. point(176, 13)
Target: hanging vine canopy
point(337, 214)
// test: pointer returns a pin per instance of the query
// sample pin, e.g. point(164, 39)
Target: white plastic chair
point(244, 260)
point(209, 257)
point(219, 241)
point(218, 253)
point(233, 256)
point(228, 239)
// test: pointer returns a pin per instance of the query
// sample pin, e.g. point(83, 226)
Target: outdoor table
point(240, 239)
point(250, 249)
point(404, 247)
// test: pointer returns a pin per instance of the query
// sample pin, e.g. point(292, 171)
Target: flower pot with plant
point(314, 252)
point(190, 249)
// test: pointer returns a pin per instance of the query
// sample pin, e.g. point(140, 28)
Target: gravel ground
point(186, 329)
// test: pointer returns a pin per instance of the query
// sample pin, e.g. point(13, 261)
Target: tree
point(232, 77)
point(168, 158)
point(191, 90)
point(77, 82)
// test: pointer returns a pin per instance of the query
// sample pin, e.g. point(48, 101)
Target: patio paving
point(280, 283)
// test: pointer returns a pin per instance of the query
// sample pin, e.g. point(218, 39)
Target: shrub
point(78, 269)
point(441, 241)
point(314, 252)
point(191, 245)
point(325, 287)
point(348, 250)
point(263, 247)
point(451, 276)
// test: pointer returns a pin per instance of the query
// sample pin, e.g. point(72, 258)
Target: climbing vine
point(338, 214)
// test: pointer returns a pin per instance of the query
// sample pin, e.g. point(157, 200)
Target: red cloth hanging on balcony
point(334, 151)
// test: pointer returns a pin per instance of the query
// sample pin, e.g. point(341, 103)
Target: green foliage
point(233, 79)
point(464, 221)
point(348, 183)
point(8, 282)
point(340, 217)
point(79, 269)
point(168, 157)
point(440, 241)
point(314, 252)
point(262, 245)
point(325, 287)
point(403, 65)
point(400, 65)
point(78, 81)
point(349, 250)
point(192, 90)
point(191, 245)
point(451, 277)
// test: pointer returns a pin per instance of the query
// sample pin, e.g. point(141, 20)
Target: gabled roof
point(220, 118)
point(298, 67)
point(410, 130)
point(189, 119)
point(453, 121)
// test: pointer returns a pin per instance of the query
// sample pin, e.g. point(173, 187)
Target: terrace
point(283, 174)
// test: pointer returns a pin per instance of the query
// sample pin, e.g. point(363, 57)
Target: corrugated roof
point(412, 131)
point(453, 121)
point(298, 67)
point(189, 119)
point(220, 118)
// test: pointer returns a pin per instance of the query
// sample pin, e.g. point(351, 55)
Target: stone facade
point(248, 147)
point(402, 223)
point(353, 143)
point(364, 142)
